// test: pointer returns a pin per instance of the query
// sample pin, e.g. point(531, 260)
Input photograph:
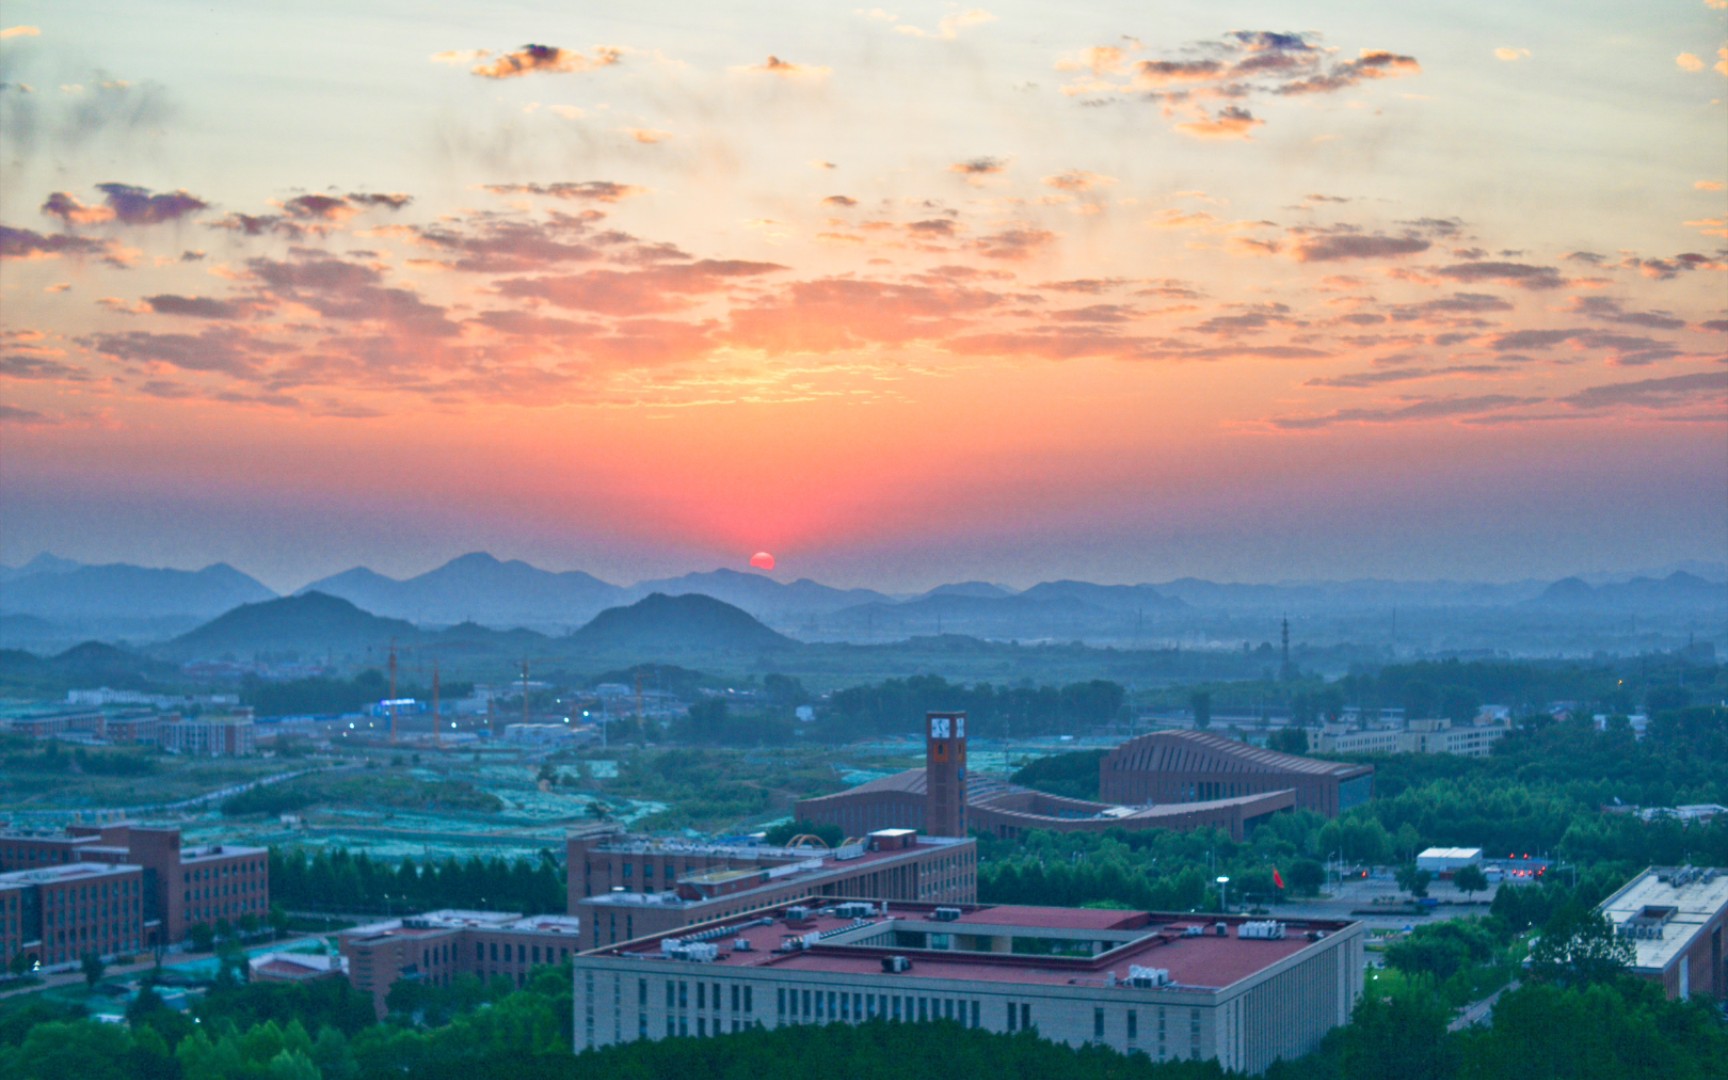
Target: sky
point(902, 295)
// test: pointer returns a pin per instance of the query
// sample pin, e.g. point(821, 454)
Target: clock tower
point(945, 774)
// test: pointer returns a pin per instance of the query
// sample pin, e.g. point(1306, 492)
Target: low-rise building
point(1198, 766)
point(439, 945)
point(624, 887)
point(1448, 860)
point(182, 886)
point(55, 915)
point(1675, 918)
point(209, 736)
point(1175, 987)
point(1435, 735)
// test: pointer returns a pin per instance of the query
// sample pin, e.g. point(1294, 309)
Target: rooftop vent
point(1146, 978)
point(896, 965)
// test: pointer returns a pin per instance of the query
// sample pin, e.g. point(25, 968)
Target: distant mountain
point(41, 564)
point(1019, 616)
point(983, 590)
point(91, 664)
point(311, 624)
point(1125, 598)
point(1679, 591)
point(761, 595)
point(688, 623)
point(121, 591)
point(477, 588)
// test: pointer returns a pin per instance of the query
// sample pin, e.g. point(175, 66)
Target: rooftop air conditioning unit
point(896, 965)
point(797, 913)
point(1146, 978)
point(741, 945)
point(1222, 929)
point(947, 914)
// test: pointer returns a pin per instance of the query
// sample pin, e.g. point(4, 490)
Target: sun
point(762, 561)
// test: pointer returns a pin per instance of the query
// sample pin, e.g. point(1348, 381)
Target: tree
point(1201, 704)
point(1580, 947)
point(1413, 881)
point(201, 936)
point(1289, 740)
point(93, 967)
point(1470, 879)
point(1306, 877)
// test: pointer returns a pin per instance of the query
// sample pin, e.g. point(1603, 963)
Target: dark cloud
point(637, 292)
point(25, 244)
point(195, 307)
point(1334, 246)
point(68, 209)
point(1608, 309)
point(1423, 409)
point(1372, 64)
point(15, 414)
point(508, 247)
point(349, 291)
point(1363, 380)
point(547, 58)
point(1674, 391)
point(842, 201)
point(604, 191)
point(221, 350)
point(133, 205)
point(1523, 275)
point(259, 224)
point(29, 366)
point(942, 227)
point(979, 166)
point(1256, 318)
point(1021, 242)
point(1097, 313)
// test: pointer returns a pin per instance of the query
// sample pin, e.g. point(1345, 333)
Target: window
point(1133, 1024)
point(1098, 1022)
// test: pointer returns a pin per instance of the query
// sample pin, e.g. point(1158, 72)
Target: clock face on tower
point(939, 727)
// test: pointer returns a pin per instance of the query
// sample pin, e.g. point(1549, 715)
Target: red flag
point(1277, 878)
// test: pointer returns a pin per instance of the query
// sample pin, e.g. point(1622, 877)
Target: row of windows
point(823, 1005)
point(678, 995)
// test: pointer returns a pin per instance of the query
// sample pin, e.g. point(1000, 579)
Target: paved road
point(1480, 1012)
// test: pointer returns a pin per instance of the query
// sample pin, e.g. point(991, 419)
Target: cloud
point(947, 29)
point(15, 414)
point(978, 169)
point(350, 292)
point(1609, 309)
point(505, 247)
point(830, 314)
point(67, 208)
point(1363, 380)
point(1020, 242)
point(133, 205)
point(1673, 391)
point(1078, 180)
point(1238, 67)
point(844, 202)
point(1231, 122)
point(1414, 410)
point(546, 58)
point(1523, 275)
point(605, 191)
point(19, 31)
point(341, 207)
point(195, 307)
point(40, 368)
point(218, 349)
point(1511, 55)
point(646, 136)
point(460, 56)
point(26, 244)
point(1334, 246)
point(636, 292)
point(1689, 62)
point(785, 69)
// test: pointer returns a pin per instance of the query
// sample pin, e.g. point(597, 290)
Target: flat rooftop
point(990, 943)
point(1677, 901)
point(450, 919)
point(58, 873)
point(811, 865)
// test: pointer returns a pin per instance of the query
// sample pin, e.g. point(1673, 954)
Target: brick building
point(624, 887)
point(56, 914)
point(1186, 766)
point(181, 886)
point(1676, 918)
point(439, 945)
point(1172, 986)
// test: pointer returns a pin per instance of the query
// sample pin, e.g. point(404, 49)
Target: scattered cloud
point(133, 205)
point(545, 58)
point(1511, 55)
point(1523, 275)
point(646, 136)
point(977, 170)
point(946, 30)
point(26, 244)
point(68, 209)
point(1230, 122)
point(1689, 62)
point(19, 31)
point(1236, 69)
point(604, 191)
point(1420, 410)
point(1334, 246)
point(1666, 392)
point(194, 307)
point(1709, 185)
point(844, 202)
point(17, 414)
point(785, 69)
point(1079, 180)
point(1020, 242)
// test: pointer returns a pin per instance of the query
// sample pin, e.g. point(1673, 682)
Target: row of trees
point(342, 881)
point(897, 707)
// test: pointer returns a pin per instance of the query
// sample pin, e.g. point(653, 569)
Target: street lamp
point(1223, 893)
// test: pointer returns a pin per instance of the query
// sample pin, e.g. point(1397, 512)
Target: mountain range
point(50, 603)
